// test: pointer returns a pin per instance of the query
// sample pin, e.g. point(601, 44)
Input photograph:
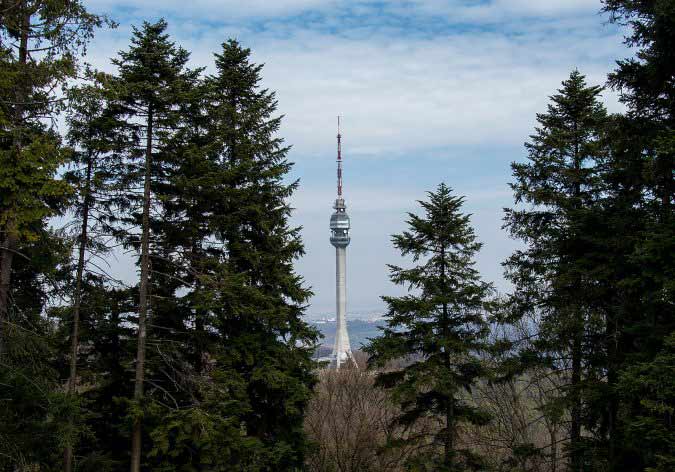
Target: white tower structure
point(339, 227)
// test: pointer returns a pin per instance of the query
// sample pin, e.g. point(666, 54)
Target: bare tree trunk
point(143, 301)
point(449, 445)
point(77, 302)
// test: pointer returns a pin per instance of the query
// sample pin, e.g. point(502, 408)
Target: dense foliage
point(553, 275)
point(441, 324)
point(186, 171)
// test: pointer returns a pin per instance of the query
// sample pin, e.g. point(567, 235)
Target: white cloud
point(454, 10)
point(495, 10)
point(398, 92)
point(211, 10)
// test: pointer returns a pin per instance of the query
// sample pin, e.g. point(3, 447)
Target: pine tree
point(226, 233)
point(440, 325)
point(552, 275)
point(98, 421)
point(150, 88)
point(646, 87)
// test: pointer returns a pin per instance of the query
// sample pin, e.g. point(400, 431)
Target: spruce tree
point(440, 327)
point(151, 85)
point(646, 87)
point(552, 274)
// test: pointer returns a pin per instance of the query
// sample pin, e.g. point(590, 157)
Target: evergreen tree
point(40, 42)
point(649, 428)
point(642, 172)
point(552, 275)
point(440, 325)
point(92, 171)
point(229, 216)
point(147, 94)
point(34, 411)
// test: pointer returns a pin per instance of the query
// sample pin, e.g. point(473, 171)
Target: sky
point(429, 91)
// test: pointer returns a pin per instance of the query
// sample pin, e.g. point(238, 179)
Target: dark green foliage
point(40, 44)
point(33, 407)
point(642, 173)
point(554, 274)
point(266, 312)
point(651, 432)
point(147, 96)
point(146, 99)
point(92, 173)
point(231, 249)
point(646, 87)
point(440, 326)
point(100, 433)
point(188, 170)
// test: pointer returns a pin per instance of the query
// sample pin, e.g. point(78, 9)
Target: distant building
point(339, 237)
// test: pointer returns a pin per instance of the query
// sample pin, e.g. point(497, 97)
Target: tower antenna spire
point(339, 159)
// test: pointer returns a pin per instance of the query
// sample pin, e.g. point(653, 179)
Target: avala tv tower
point(339, 237)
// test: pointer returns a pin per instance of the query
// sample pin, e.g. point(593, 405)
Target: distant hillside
point(359, 331)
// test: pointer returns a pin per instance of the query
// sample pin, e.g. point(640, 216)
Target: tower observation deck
point(339, 237)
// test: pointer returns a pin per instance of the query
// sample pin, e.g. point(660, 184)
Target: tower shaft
point(341, 349)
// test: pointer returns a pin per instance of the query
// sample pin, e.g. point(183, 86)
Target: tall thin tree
point(148, 91)
point(89, 134)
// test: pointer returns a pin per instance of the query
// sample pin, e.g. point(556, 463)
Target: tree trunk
point(8, 248)
point(77, 302)
point(449, 446)
point(612, 379)
point(575, 430)
point(554, 448)
point(578, 329)
point(143, 301)
point(449, 440)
